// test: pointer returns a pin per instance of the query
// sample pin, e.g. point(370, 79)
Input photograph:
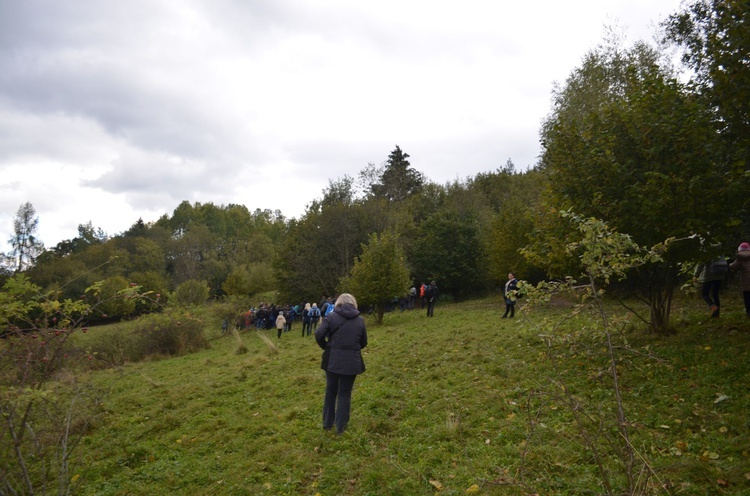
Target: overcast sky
point(114, 111)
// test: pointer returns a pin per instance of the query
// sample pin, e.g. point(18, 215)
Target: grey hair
point(345, 299)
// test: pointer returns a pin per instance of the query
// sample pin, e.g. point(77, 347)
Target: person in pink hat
point(741, 264)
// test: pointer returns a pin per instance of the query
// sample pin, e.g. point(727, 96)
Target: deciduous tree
point(379, 274)
point(638, 152)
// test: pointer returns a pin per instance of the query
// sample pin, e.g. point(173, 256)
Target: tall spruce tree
point(25, 246)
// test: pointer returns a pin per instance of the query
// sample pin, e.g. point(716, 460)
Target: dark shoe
point(714, 311)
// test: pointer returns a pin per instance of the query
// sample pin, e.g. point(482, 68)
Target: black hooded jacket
point(342, 335)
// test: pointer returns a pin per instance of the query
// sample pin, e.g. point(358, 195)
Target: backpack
point(329, 309)
point(717, 267)
point(314, 313)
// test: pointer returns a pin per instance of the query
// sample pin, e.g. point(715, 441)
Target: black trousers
point(338, 401)
point(710, 292)
point(430, 307)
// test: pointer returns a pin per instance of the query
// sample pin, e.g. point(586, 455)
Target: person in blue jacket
point(341, 335)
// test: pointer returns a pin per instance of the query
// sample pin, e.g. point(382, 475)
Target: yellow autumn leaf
point(75, 477)
point(473, 489)
point(436, 484)
point(723, 429)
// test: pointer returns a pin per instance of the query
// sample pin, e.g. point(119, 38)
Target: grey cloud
point(73, 60)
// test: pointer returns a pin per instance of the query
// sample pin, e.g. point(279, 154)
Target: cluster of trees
point(626, 141)
point(449, 233)
point(228, 247)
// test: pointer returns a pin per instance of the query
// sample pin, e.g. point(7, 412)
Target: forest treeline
point(465, 235)
point(628, 140)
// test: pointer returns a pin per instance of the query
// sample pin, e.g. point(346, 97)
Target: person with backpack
point(289, 316)
point(710, 275)
point(329, 308)
point(412, 297)
point(314, 316)
point(741, 264)
point(324, 306)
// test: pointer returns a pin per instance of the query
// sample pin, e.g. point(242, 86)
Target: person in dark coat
point(306, 320)
point(509, 294)
point(431, 292)
point(710, 276)
point(341, 335)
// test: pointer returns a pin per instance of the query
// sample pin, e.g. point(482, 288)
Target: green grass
point(458, 403)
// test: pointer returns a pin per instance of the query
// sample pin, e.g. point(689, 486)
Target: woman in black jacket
point(341, 335)
point(510, 296)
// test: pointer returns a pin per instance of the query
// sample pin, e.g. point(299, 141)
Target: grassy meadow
point(464, 402)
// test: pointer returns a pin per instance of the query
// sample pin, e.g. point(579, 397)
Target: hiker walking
point(510, 296)
point(710, 275)
point(280, 323)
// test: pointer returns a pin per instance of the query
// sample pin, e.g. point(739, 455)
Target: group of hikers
point(282, 317)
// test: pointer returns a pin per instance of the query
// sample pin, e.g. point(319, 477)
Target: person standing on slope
point(341, 336)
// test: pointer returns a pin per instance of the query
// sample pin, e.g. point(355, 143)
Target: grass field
point(462, 403)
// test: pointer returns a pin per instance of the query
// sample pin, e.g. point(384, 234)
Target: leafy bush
point(191, 293)
point(42, 420)
point(173, 332)
point(111, 303)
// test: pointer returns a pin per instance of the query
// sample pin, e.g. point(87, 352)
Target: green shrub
point(171, 333)
point(191, 293)
point(112, 303)
point(231, 307)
